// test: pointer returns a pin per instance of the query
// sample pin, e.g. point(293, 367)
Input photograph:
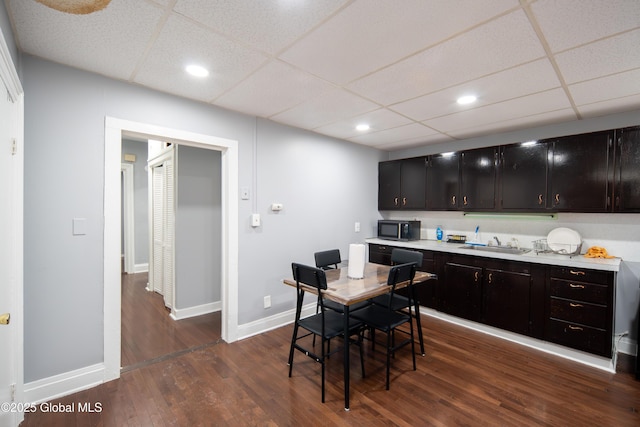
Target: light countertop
point(577, 261)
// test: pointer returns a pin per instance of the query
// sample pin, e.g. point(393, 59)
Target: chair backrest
point(401, 273)
point(328, 259)
point(404, 256)
point(308, 275)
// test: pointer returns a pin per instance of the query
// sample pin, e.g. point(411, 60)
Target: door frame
point(114, 129)
point(128, 217)
point(9, 76)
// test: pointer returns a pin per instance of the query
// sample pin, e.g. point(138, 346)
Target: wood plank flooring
point(466, 379)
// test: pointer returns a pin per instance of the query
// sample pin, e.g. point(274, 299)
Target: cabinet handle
point(577, 273)
point(572, 285)
point(539, 199)
point(464, 200)
point(558, 199)
point(574, 305)
point(608, 201)
point(476, 276)
point(575, 328)
point(404, 201)
point(453, 200)
point(395, 201)
point(490, 277)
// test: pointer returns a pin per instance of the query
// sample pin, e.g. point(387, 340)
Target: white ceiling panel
point(269, 26)
point(503, 43)
point(366, 36)
point(327, 108)
point(110, 42)
point(570, 23)
point(523, 80)
point(327, 65)
point(602, 58)
point(550, 100)
point(188, 44)
point(273, 89)
point(377, 120)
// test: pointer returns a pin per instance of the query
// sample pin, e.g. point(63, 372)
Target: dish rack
point(541, 246)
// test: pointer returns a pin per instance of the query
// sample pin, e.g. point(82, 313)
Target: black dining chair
point(328, 260)
point(403, 303)
point(325, 324)
point(387, 320)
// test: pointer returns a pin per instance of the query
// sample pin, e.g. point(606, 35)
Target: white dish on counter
point(563, 240)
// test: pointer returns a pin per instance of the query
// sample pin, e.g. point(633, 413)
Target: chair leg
point(389, 351)
point(361, 344)
point(322, 363)
point(413, 346)
point(291, 350)
point(419, 326)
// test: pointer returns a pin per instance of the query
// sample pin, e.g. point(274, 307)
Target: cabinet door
point(478, 179)
point(524, 176)
point(627, 190)
point(580, 167)
point(462, 290)
point(507, 300)
point(389, 185)
point(412, 183)
point(442, 182)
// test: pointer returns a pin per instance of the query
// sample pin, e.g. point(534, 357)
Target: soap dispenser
point(439, 234)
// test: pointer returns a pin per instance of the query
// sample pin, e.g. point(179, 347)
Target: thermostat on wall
point(276, 207)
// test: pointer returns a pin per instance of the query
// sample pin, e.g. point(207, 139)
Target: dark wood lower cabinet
point(567, 306)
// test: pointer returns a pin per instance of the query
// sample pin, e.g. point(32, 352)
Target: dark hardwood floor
point(466, 379)
point(148, 333)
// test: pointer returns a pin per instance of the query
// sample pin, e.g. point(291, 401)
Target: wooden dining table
point(348, 291)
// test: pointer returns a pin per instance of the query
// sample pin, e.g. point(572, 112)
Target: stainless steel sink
point(498, 249)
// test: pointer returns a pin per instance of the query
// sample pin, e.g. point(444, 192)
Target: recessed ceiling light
point(467, 99)
point(362, 127)
point(197, 71)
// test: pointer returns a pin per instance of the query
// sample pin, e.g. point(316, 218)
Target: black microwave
point(398, 230)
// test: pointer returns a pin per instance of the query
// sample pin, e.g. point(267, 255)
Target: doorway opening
point(114, 131)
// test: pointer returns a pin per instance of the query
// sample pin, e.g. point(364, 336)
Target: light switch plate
point(79, 226)
point(244, 193)
point(255, 220)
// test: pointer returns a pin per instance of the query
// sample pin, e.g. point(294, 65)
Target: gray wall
point(5, 26)
point(324, 184)
point(198, 227)
point(141, 198)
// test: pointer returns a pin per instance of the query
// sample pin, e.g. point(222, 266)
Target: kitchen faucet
point(497, 240)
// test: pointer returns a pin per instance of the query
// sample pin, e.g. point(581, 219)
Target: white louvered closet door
point(168, 276)
point(157, 229)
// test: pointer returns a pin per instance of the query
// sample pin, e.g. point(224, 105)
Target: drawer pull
point(577, 273)
point(404, 201)
point(395, 201)
point(464, 201)
point(573, 304)
point(575, 328)
point(453, 200)
point(490, 277)
point(476, 276)
point(573, 285)
point(539, 199)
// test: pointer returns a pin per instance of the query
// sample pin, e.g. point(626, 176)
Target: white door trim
point(114, 128)
point(129, 222)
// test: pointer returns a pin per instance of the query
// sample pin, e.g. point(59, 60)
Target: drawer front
point(379, 258)
point(383, 249)
point(582, 274)
point(581, 291)
point(580, 337)
point(579, 312)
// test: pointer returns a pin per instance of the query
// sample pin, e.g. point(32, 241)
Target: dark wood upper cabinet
point(627, 170)
point(524, 176)
point(478, 179)
point(442, 182)
point(401, 184)
point(579, 172)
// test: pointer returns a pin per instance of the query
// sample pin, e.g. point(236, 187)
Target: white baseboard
point(273, 322)
point(198, 310)
point(64, 384)
point(627, 346)
point(141, 268)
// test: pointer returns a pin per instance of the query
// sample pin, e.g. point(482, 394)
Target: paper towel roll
point(356, 261)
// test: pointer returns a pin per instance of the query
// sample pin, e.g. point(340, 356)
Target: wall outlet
point(255, 220)
point(357, 227)
point(267, 301)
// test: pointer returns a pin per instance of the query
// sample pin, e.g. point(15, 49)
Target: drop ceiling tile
point(370, 34)
point(109, 42)
point(328, 107)
point(609, 56)
point(535, 120)
point(379, 120)
point(523, 80)
point(612, 106)
point(185, 44)
point(570, 23)
point(548, 101)
point(268, 26)
point(502, 43)
point(401, 133)
point(437, 138)
point(272, 89)
point(606, 88)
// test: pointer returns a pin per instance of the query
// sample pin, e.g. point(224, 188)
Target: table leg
point(347, 339)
